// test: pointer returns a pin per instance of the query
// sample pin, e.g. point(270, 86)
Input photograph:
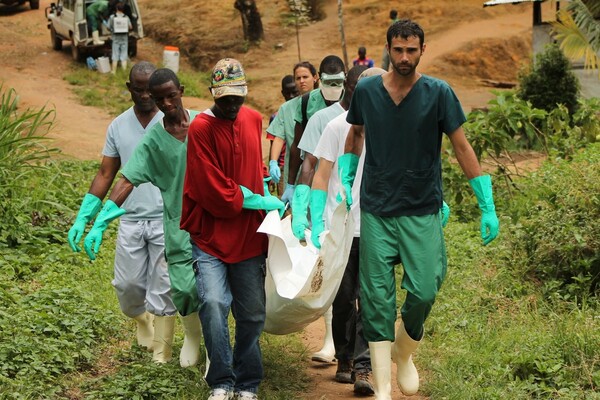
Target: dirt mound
point(491, 59)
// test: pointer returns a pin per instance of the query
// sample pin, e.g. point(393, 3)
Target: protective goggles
point(333, 80)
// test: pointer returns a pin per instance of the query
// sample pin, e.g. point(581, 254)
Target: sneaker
point(362, 383)
point(246, 396)
point(344, 372)
point(220, 394)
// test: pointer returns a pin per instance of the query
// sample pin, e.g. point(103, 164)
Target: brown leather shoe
point(362, 383)
point(344, 372)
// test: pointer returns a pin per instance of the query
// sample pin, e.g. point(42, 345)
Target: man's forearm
point(308, 169)
point(355, 140)
point(121, 191)
point(276, 147)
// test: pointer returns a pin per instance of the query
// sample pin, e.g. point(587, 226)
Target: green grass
point(109, 92)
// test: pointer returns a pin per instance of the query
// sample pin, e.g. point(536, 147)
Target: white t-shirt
point(314, 127)
point(122, 136)
point(330, 147)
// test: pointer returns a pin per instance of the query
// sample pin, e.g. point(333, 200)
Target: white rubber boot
point(327, 353)
point(145, 330)
point(96, 38)
point(164, 329)
point(381, 368)
point(190, 351)
point(407, 375)
point(114, 67)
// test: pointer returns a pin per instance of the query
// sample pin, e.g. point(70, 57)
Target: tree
point(578, 31)
point(251, 22)
point(550, 82)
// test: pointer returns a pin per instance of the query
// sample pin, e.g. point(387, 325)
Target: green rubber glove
point(299, 210)
point(266, 186)
point(87, 211)
point(93, 240)
point(253, 201)
point(482, 186)
point(347, 165)
point(318, 199)
point(444, 214)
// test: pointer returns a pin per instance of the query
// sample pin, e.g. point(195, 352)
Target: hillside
point(207, 33)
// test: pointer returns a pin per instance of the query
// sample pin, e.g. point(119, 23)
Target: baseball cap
point(228, 79)
point(332, 86)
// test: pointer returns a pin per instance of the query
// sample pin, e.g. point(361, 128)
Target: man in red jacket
point(223, 206)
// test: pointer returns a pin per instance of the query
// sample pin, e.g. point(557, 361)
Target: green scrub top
point(283, 126)
point(160, 159)
point(402, 171)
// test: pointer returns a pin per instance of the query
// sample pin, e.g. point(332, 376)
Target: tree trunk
point(342, 34)
point(251, 22)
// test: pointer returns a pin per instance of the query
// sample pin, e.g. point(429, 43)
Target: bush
point(22, 151)
point(550, 82)
point(560, 232)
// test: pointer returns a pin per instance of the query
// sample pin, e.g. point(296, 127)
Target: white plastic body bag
point(301, 281)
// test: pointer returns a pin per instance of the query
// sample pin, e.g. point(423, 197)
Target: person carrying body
point(224, 203)
point(289, 90)
point(399, 119)
point(159, 158)
point(141, 279)
point(332, 75)
point(282, 126)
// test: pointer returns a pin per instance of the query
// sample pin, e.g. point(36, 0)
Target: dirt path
point(28, 64)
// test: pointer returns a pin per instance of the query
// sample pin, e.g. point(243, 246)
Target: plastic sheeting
point(301, 281)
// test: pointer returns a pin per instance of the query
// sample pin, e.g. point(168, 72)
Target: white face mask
point(332, 86)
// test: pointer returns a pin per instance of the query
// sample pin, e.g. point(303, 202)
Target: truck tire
point(56, 41)
point(34, 4)
point(75, 51)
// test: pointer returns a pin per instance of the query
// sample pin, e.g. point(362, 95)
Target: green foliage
point(496, 333)
point(22, 151)
point(550, 82)
point(561, 234)
point(510, 125)
point(105, 91)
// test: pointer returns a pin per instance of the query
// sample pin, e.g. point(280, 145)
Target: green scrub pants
point(419, 242)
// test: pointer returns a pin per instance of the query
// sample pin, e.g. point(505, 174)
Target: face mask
point(332, 86)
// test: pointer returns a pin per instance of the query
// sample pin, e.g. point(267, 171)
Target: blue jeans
point(241, 288)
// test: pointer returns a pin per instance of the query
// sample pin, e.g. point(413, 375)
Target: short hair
point(161, 76)
point(362, 49)
point(143, 67)
point(393, 14)
point(307, 65)
point(287, 80)
point(354, 73)
point(331, 65)
point(404, 28)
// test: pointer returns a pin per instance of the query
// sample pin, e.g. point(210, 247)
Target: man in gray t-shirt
point(141, 277)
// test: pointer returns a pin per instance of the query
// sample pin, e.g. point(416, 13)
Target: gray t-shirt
point(122, 136)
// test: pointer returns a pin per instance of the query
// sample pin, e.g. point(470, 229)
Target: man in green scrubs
point(160, 158)
point(400, 117)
